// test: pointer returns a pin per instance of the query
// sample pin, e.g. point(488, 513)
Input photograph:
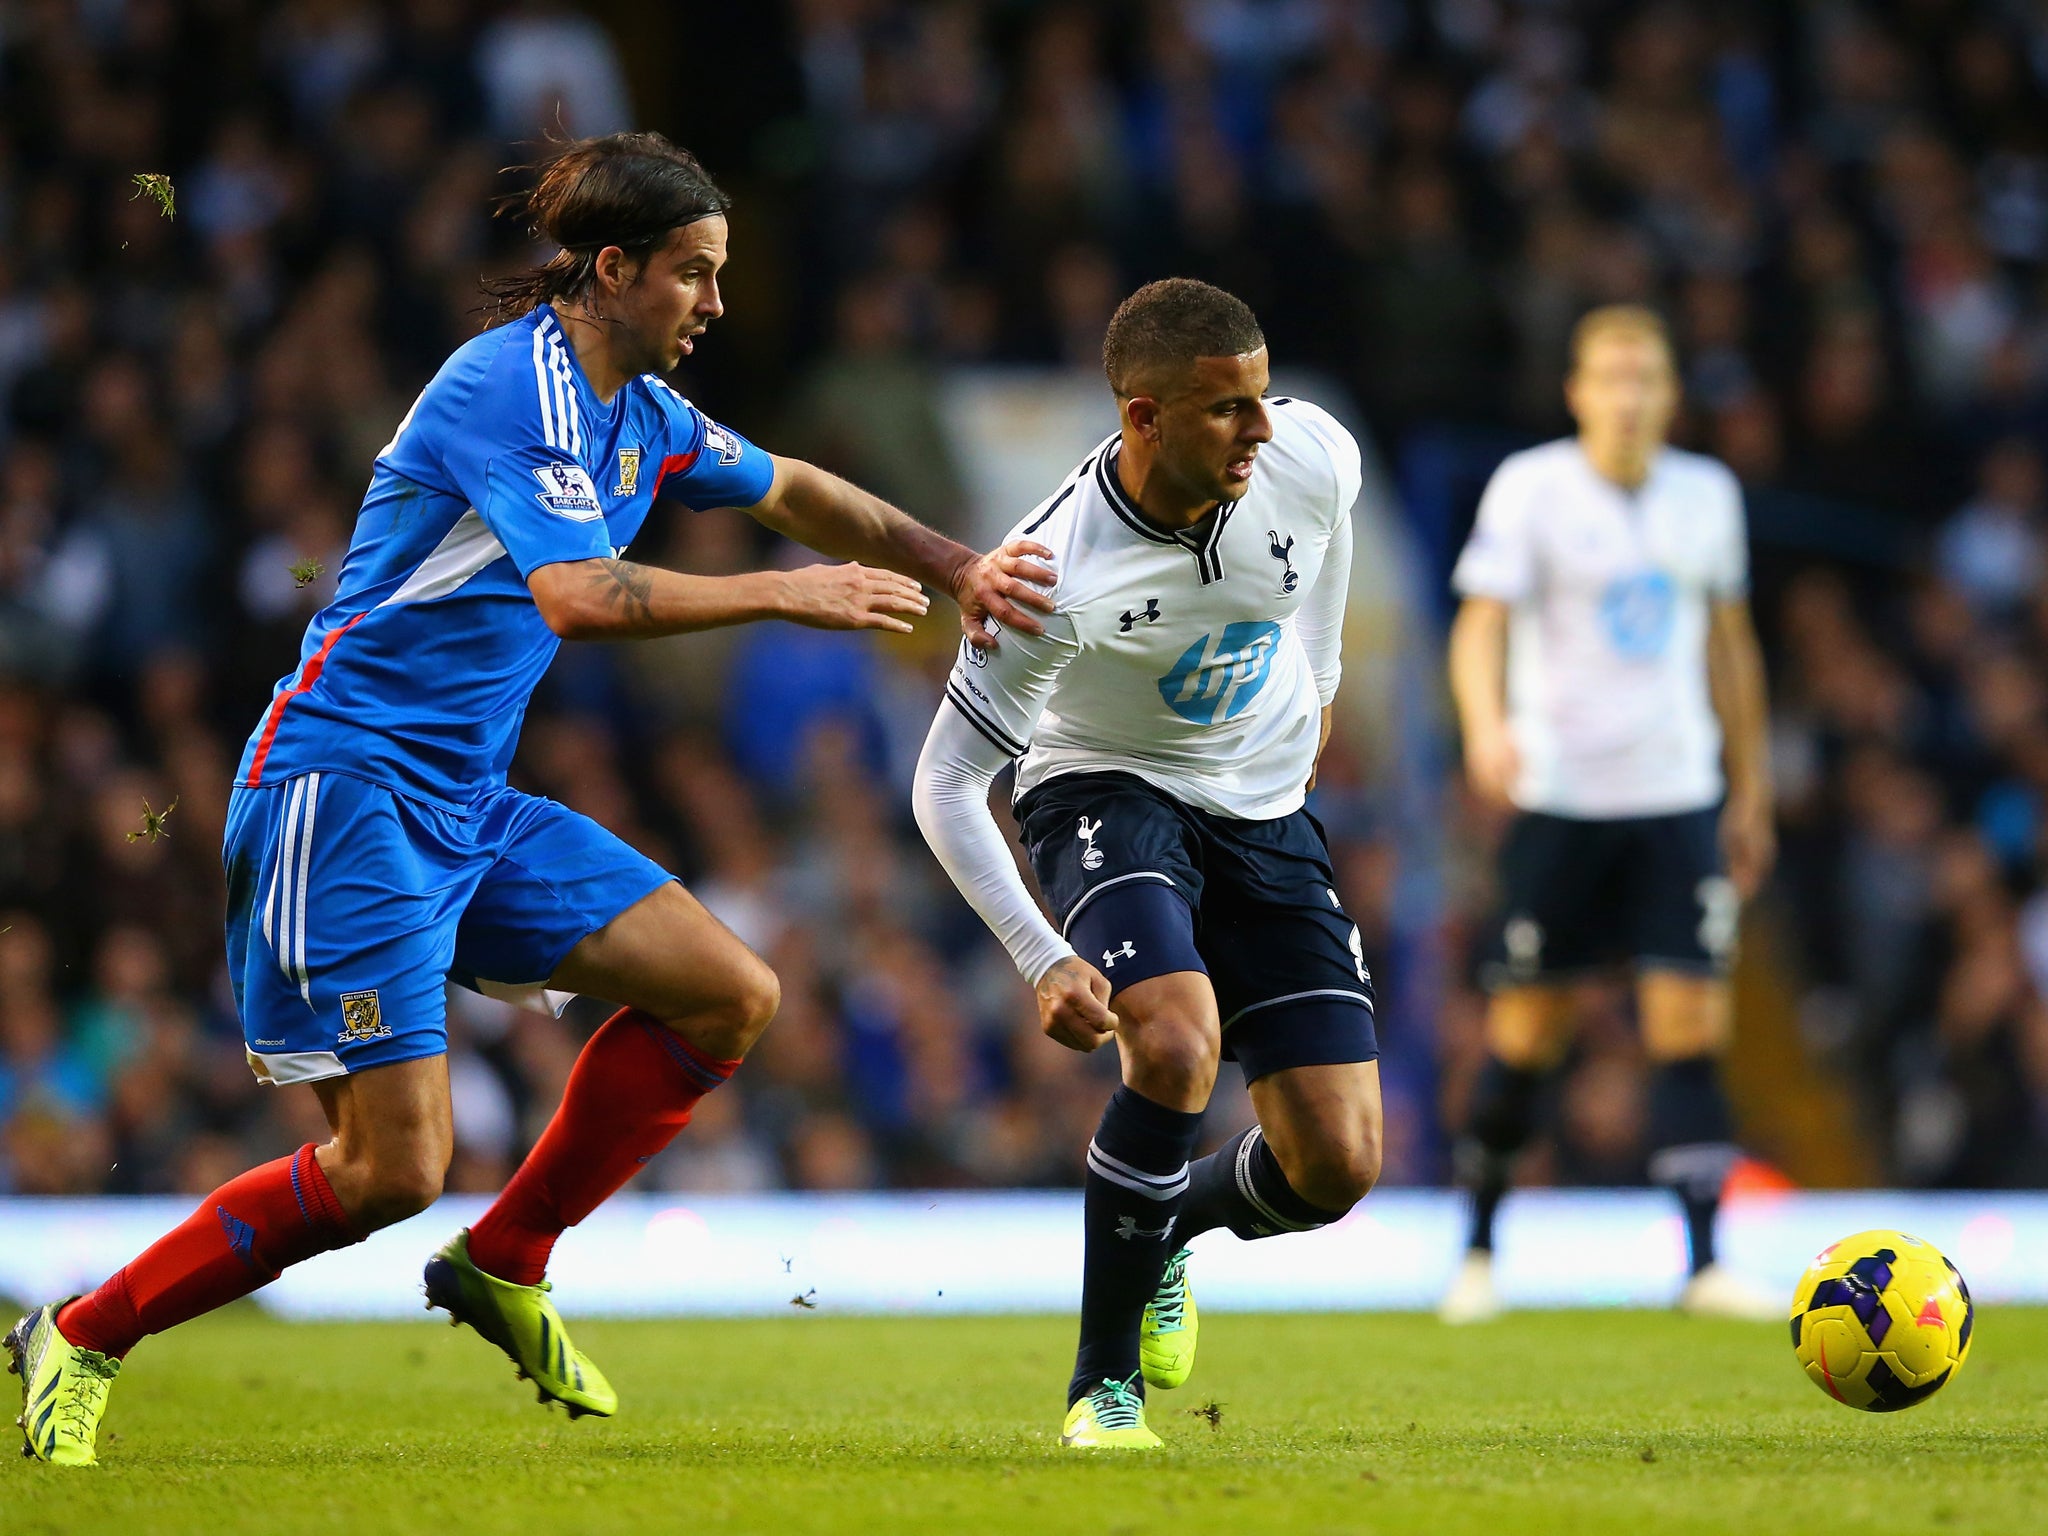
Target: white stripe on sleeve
point(571, 418)
point(541, 378)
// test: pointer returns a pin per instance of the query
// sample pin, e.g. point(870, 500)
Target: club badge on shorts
point(362, 1019)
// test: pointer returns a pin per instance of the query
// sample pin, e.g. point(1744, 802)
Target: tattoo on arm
point(624, 588)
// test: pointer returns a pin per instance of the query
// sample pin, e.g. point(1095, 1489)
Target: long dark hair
point(625, 189)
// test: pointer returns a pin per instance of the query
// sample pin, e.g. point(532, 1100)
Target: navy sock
point(1241, 1186)
point(1692, 1145)
point(1137, 1180)
point(1499, 1124)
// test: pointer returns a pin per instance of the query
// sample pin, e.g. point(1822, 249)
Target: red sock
point(243, 1236)
point(629, 1093)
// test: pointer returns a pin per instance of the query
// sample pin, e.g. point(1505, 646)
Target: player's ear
point(615, 270)
point(1142, 412)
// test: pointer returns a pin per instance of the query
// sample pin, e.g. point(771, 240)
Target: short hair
point(1636, 320)
point(1170, 323)
point(625, 189)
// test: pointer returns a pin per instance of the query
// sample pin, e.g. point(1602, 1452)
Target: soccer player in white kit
point(1610, 688)
point(1165, 728)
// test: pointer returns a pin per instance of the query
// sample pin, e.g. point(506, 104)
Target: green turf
point(1577, 1423)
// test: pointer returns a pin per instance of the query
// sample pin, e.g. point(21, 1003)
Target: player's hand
point(1749, 842)
point(1492, 764)
point(1073, 1005)
point(1004, 585)
point(852, 597)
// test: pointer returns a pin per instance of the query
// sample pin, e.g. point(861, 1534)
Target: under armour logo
point(1284, 553)
point(1150, 615)
point(1091, 856)
point(1110, 956)
point(1128, 1229)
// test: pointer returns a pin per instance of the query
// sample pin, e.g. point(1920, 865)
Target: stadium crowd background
point(1843, 208)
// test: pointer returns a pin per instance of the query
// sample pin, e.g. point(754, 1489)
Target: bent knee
point(1179, 1055)
point(390, 1189)
point(1338, 1175)
point(734, 1019)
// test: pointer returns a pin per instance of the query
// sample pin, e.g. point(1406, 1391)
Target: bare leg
point(696, 998)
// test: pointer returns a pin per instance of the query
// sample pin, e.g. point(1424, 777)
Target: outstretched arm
point(613, 599)
point(834, 517)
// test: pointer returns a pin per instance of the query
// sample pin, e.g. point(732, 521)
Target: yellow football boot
point(521, 1321)
point(1110, 1418)
point(63, 1390)
point(1166, 1338)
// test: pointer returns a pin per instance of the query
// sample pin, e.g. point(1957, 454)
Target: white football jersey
point(1609, 591)
point(1197, 661)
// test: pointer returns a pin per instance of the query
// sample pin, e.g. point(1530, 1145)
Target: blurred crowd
point(1843, 207)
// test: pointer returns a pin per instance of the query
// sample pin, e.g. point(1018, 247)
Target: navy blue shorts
point(1579, 895)
point(1142, 885)
point(351, 906)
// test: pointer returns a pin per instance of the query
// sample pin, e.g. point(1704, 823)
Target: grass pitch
point(1560, 1422)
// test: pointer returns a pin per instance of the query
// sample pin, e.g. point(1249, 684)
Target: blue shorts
point(351, 906)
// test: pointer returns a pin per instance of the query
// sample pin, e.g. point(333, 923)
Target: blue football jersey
point(417, 675)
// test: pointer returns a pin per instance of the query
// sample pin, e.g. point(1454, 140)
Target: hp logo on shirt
point(1639, 612)
point(1218, 676)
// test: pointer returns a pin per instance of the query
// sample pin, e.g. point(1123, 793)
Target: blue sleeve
point(516, 452)
point(709, 465)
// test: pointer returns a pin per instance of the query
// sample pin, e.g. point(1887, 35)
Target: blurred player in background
point(374, 849)
point(1610, 689)
point(1166, 726)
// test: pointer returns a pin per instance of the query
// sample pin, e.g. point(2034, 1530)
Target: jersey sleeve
point(1499, 559)
point(515, 452)
point(1320, 621)
point(709, 465)
point(1729, 580)
point(1001, 692)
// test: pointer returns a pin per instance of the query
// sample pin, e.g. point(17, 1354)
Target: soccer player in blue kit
point(374, 849)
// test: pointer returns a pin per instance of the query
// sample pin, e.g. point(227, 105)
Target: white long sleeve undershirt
point(950, 799)
point(1320, 621)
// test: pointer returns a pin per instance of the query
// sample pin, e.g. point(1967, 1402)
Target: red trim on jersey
point(675, 463)
point(308, 676)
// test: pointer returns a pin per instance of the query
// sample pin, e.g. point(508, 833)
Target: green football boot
point(1166, 1338)
point(521, 1321)
point(1110, 1418)
point(63, 1390)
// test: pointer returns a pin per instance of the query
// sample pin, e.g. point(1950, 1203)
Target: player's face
point(1624, 391)
point(666, 308)
point(1211, 427)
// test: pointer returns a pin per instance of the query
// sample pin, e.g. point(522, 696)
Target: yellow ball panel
point(1837, 1355)
point(1894, 1322)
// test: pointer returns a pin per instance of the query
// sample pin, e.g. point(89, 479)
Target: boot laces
point(1169, 1302)
point(83, 1397)
point(1117, 1404)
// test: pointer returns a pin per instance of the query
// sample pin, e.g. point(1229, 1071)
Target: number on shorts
point(1720, 913)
